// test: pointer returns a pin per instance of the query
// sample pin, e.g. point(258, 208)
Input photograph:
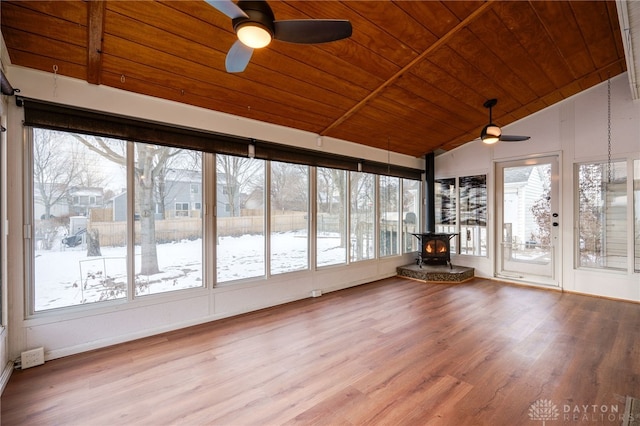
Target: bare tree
point(150, 163)
point(236, 175)
point(331, 184)
point(289, 186)
point(541, 210)
point(54, 168)
point(179, 166)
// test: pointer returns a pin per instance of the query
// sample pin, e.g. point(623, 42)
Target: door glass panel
point(528, 235)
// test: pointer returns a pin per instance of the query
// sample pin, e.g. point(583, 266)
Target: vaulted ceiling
point(413, 77)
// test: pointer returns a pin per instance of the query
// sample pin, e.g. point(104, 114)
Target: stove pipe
point(430, 192)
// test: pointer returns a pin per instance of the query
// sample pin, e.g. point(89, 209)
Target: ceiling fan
point(491, 133)
point(255, 25)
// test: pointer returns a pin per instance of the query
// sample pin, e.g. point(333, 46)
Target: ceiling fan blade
point(310, 31)
point(238, 57)
point(512, 138)
point(228, 7)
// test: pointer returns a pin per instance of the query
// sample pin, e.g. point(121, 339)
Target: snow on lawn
point(67, 277)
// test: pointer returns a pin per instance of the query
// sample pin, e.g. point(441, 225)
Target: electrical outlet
point(32, 358)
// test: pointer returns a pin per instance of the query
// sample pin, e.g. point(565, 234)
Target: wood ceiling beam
point(442, 40)
point(95, 33)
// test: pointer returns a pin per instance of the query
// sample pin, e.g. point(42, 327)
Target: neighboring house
point(223, 204)
point(179, 194)
point(83, 199)
point(75, 201)
point(522, 187)
point(118, 206)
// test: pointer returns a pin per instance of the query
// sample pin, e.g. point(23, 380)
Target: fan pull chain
point(55, 81)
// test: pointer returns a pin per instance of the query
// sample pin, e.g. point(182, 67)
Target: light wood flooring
point(392, 352)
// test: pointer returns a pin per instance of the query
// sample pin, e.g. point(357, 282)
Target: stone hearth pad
point(436, 273)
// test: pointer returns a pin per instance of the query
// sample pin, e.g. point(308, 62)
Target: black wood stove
point(435, 249)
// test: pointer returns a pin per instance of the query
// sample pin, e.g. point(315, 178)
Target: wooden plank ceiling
point(412, 78)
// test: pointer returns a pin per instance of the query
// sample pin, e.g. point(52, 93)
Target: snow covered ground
point(67, 277)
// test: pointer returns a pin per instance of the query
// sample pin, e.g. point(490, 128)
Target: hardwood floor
point(393, 352)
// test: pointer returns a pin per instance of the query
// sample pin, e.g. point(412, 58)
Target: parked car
point(75, 239)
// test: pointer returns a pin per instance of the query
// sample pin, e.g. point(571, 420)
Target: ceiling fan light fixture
point(490, 134)
point(254, 35)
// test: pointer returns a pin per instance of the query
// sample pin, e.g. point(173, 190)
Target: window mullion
point(131, 208)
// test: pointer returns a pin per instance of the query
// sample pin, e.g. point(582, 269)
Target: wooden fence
point(167, 230)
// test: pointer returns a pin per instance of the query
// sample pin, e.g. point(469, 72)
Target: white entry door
point(528, 220)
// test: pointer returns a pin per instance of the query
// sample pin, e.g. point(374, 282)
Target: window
point(362, 220)
point(168, 251)
point(331, 210)
point(602, 215)
point(289, 204)
point(469, 204)
point(411, 196)
point(76, 260)
point(389, 202)
point(117, 219)
point(240, 218)
point(182, 209)
point(445, 208)
point(473, 215)
point(80, 259)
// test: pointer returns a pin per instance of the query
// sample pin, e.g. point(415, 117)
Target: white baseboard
point(6, 374)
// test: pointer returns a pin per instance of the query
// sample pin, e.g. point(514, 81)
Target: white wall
point(576, 130)
point(87, 328)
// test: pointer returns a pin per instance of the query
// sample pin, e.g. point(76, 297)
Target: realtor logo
point(543, 409)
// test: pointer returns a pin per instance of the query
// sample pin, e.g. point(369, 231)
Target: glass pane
point(636, 210)
point(473, 215)
point(79, 243)
point(411, 208)
point(240, 218)
point(602, 215)
point(526, 244)
point(389, 215)
point(168, 227)
point(331, 212)
point(362, 219)
point(289, 217)
point(445, 206)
